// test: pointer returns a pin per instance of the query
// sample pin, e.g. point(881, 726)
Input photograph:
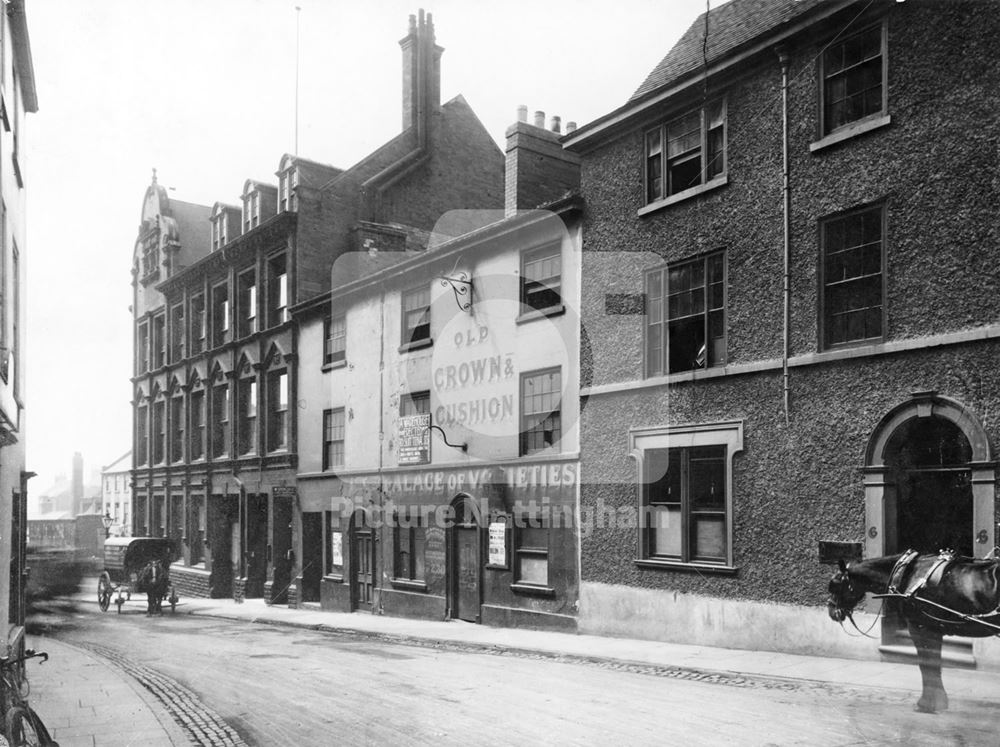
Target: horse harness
point(901, 586)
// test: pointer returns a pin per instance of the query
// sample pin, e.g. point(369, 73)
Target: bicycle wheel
point(104, 591)
point(23, 728)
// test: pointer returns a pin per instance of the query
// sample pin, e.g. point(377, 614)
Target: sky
point(204, 92)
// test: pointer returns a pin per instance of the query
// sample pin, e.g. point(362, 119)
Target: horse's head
point(844, 594)
point(151, 571)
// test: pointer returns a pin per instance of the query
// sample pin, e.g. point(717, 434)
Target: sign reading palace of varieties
point(519, 479)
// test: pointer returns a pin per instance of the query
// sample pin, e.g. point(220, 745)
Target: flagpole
point(298, 10)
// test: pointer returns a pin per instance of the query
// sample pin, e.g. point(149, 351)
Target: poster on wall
point(414, 439)
point(497, 557)
point(337, 548)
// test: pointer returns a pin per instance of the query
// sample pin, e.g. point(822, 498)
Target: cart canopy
point(132, 553)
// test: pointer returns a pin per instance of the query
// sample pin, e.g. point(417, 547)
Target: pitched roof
point(121, 464)
point(729, 27)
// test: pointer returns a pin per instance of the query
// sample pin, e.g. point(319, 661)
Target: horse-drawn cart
point(137, 565)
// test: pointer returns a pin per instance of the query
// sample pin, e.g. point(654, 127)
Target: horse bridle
point(849, 590)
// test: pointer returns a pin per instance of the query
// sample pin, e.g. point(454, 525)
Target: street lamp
point(107, 521)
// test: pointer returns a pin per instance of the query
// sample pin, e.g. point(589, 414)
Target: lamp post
point(107, 521)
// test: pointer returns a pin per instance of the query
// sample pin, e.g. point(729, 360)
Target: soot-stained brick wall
point(934, 166)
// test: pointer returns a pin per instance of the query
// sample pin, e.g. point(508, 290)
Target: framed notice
point(337, 549)
point(413, 439)
point(497, 556)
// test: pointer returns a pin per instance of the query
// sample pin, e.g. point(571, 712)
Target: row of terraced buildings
point(645, 377)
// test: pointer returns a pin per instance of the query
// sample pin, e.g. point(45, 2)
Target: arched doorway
point(464, 567)
point(929, 461)
point(930, 484)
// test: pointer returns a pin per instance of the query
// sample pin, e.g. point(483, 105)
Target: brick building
point(790, 296)
point(438, 441)
point(216, 366)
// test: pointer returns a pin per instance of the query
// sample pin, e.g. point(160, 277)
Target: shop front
point(486, 543)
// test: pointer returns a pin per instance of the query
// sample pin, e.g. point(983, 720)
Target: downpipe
point(786, 193)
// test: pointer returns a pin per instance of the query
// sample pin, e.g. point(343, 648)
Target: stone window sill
point(673, 565)
point(334, 365)
point(408, 584)
point(687, 194)
point(534, 314)
point(532, 590)
point(407, 347)
point(851, 131)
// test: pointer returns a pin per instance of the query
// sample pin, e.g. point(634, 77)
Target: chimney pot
point(556, 124)
point(570, 127)
point(540, 119)
point(522, 113)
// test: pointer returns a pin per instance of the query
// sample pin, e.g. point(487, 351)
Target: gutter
point(470, 241)
point(22, 54)
point(593, 133)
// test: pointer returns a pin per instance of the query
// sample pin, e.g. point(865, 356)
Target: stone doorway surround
point(881, 518)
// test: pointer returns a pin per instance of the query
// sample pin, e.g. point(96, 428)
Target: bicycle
point(21, 725)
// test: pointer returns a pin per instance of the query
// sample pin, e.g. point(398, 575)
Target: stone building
point(116, 495)
point(438, 441)
point(216, 400)
point(790, 296)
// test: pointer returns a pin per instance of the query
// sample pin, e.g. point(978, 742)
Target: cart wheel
point(104, 591)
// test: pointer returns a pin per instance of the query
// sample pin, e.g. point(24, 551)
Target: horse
point(154, 581)
point(939, 595)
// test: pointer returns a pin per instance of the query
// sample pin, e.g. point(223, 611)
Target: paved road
point(282, 686)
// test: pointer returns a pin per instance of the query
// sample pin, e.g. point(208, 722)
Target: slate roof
point(730, 26)
point(195, 228)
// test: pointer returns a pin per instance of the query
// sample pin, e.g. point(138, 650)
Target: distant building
point(790, 291)
point(72, 496)
point(116, 494)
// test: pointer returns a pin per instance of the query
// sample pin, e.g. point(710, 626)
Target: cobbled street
point(232, 683)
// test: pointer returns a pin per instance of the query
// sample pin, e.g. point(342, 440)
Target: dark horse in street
point(938, 595)
point(154, 581)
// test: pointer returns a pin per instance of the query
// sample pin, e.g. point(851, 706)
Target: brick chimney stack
point(421, 71)
point(538, 169)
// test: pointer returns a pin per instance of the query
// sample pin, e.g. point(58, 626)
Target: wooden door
point(312, 555)
point(466, 572)
point(364, 569)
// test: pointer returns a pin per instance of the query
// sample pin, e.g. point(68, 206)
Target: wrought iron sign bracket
point(461, 286)
point(444, 437)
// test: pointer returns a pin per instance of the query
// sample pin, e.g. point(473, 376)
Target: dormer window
point(288, 200)
point(220, 229)
point(251, 210)
point(151, 255)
